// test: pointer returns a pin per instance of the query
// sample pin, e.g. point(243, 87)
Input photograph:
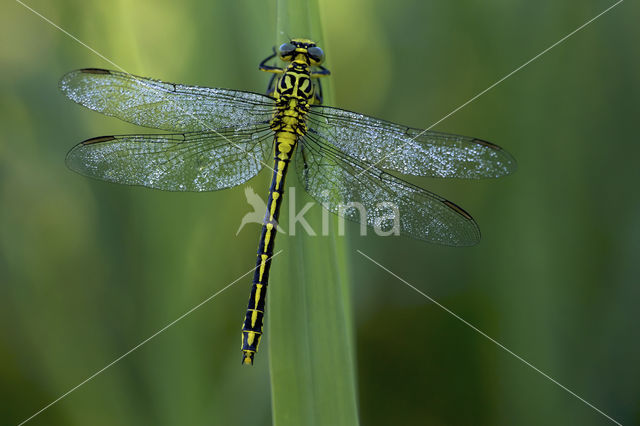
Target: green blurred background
point(88, 269)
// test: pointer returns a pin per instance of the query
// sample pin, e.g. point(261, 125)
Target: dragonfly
point(218, 138)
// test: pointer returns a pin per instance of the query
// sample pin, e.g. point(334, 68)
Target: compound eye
point(316, 54)
point(286, 49)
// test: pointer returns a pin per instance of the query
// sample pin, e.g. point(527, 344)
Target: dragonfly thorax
point(295, 83)
point(294, 93)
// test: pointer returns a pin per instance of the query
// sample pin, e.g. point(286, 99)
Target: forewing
point(160, 105)
point(198, 161)
point(407, 150)
point(343, 185)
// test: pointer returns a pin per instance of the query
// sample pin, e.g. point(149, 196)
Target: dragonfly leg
point(322, 73)
point(269, 68)
point(271, 87)
point(317, 95)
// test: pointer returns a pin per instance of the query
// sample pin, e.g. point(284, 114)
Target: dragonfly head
point(301, 50)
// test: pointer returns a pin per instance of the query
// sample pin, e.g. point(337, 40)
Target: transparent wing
point(167, 106)
point(366, 194)
point(199, 161)
point(407, 150)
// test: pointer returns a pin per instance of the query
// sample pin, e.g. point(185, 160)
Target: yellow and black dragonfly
point(219, 138)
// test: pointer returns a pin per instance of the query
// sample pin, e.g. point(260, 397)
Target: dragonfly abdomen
point(253, 322)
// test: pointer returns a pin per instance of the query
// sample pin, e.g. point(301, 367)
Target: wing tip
point(468, 240)
point(471, 240)
point(510, 163)
point(68, 82)
point(74, 157)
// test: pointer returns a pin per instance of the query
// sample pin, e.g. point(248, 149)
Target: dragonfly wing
point(160, 105)
point(407, 150)
point(198, 161)
point(343, 185)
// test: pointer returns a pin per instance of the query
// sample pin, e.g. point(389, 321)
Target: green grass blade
point(310, 335)
point(309, 316)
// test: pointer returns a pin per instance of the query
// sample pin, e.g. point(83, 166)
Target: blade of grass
point(310, 334)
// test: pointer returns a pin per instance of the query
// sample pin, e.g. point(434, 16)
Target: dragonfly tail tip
point(247, 357)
